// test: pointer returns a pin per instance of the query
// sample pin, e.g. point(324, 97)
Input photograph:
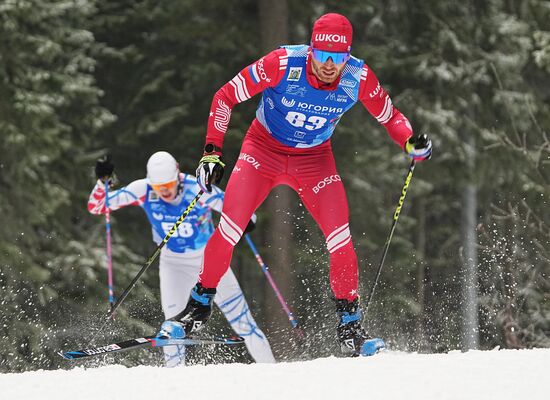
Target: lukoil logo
point(327, 37)
point(327, 181)
point(288, 103)
point(375, 91)
point(249, 159)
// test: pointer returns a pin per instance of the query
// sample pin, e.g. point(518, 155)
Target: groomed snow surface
point(484, 375)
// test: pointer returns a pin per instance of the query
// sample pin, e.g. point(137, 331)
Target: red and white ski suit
point(265, 162)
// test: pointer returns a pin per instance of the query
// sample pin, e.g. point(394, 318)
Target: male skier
point(164, 195)
point(305, 91)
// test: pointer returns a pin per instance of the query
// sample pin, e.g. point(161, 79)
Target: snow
point(499, 375)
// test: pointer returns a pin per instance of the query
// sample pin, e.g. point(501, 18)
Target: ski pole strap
point(152, 257)
point(267, 274)
point(390, 236)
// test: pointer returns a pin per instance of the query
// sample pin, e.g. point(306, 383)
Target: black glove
point(104, 168)
point(210, 171)
point(250, 227)
point(419, 147)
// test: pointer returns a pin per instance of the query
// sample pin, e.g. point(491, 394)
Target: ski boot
point(354, 341)
point(190, 320)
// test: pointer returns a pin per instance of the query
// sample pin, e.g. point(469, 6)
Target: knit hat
point(332, 32)
point(162, 168)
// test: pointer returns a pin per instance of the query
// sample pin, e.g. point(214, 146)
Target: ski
point(147, 341)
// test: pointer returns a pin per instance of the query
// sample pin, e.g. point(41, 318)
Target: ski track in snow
point(486, 375)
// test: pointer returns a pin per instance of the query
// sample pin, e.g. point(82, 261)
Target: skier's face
point(166, 191)
point(327, 71)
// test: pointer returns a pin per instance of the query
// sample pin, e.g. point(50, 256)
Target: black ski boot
point(354, 341)
point(191, 319)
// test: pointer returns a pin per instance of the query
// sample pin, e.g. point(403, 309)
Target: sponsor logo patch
point(349, 343)
point(327, 37)
point(348, 83)
point(261, 71)
point(322, 110)
point(153, 196)
point(296, 90)
point(102, 349)
point(375, 91)
point(196, 325)
point(294, 74)
point(158, 216)
point(325, 182)
point(340, 98)
point(249, 159)
point(288, 103)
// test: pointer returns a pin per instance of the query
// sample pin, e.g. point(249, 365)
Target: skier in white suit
point(164, 194)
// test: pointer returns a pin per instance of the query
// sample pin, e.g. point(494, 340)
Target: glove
point(250, 227)
point(210, 171)
point(104, 168)
point(419, 147)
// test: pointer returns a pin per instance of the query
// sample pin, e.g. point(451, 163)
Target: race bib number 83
point(300, 120)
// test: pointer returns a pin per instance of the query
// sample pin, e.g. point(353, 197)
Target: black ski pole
point(150, 260)
point(390, 236)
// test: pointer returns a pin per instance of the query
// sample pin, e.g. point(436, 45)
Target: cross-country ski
point(148, 341)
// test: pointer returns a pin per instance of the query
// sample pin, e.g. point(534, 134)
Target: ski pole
point(390, 236)
point(109, 248)
point(267, 274)
point(151, 258)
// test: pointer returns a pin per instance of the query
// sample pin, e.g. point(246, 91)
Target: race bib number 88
point(185, 229)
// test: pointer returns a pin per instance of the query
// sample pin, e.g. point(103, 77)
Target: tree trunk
point(470, 323)
point(274, 25)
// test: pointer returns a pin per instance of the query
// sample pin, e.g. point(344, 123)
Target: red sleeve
point(258, 76)
point(131, 195)
point(377, 101)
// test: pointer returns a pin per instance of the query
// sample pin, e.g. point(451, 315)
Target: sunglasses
point(323, 56)
point(167, 185)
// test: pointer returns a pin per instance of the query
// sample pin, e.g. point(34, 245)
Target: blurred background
point(469, 264)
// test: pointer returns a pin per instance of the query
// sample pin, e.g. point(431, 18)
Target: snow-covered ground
point(484, 375)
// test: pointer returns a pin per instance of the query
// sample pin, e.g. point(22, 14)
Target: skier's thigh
point(327, 203)
point(177, 278)
point(227, 289)
point(245, 191)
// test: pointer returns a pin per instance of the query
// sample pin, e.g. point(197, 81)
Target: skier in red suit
point(305, 91)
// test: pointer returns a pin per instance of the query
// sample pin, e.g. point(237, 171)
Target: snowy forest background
point(469, 265)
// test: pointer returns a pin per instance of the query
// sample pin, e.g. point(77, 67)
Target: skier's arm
point(377, 101)
point(131, 195)
point(261, 74)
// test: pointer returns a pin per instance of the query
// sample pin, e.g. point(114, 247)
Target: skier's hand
point(209, 171)
point(104, 168)
point(419, 147)
point(250, 227)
